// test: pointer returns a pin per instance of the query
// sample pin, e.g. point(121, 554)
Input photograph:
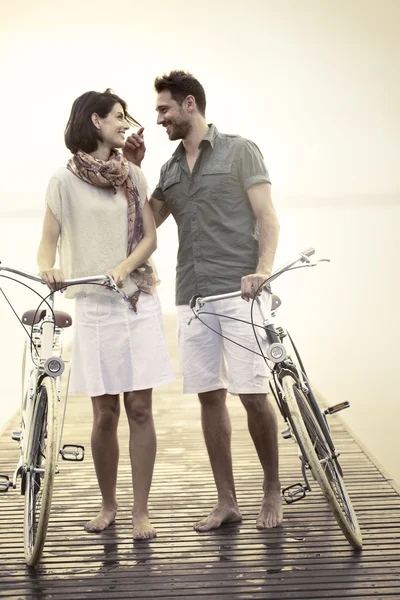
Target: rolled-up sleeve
point(158, 194)
point(252, 167)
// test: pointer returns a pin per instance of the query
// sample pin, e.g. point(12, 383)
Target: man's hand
point(251, 283)
point(53, 278)
point(135, 149)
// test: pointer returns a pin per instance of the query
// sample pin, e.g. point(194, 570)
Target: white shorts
point(115, 349)
point(209, 361)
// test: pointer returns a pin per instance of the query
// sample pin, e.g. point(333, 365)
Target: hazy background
point(315, 83)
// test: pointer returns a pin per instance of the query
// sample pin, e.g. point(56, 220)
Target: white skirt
point(115, 349)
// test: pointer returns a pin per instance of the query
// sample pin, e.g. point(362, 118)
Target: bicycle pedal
point(72, 452)
point(286, 433)
point(16, 435)
point(5, 483)
point(294, 493)
point(337, 408)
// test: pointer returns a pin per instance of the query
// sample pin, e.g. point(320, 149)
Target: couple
point(217, 188)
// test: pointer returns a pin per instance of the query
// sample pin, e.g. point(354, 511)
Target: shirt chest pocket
point(170, 188)
point(216, 179)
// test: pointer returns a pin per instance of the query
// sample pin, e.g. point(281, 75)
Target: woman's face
point(113, 127)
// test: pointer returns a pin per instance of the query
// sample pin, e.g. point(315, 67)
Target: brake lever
point(195, 305)
point(111, 284)
point(314, 264)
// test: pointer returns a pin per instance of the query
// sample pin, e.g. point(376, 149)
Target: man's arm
point(160, 210)
point(261, 203)
point(134, 150)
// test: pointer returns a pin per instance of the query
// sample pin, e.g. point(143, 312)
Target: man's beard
point(180, 130)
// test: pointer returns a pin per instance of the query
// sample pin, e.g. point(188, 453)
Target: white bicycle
point(41, 425)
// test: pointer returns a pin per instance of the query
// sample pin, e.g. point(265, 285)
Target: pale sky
point(315, 83)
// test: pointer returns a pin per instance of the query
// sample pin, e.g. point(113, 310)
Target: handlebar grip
point(308, 252)
point(193, 299)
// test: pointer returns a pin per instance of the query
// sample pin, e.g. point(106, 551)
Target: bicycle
point(38, 438)
point(305, 422)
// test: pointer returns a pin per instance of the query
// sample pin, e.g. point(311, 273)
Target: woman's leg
point(105, 451)
point(142, 448)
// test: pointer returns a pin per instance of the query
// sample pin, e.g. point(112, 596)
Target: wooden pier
point(305, 558)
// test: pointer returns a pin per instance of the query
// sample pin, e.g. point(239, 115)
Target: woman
point(98, 213)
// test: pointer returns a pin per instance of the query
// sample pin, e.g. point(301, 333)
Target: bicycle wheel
point(324, 467)
point(41, 470)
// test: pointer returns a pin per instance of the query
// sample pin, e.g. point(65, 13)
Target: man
point(217, 188)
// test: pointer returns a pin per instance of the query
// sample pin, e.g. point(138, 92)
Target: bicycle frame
point(40, 435)
point(45, 336)
point(277, 354)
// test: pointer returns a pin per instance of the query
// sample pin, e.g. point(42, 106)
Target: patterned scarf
point(114, 173)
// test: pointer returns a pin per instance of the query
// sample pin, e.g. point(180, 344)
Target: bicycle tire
point(39, 486)
point(324, 468)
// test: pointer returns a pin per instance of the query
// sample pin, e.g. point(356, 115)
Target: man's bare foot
point(105, 517)
point(271, 513)
point(219, 516)
point(142, 528)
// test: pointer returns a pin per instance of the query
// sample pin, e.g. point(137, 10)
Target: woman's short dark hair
point(80, 133)
point(182, 84)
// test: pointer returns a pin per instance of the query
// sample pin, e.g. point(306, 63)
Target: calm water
point(343, 315)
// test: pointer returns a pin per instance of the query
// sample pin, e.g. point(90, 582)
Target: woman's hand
point(119, 274)
point(53, 278)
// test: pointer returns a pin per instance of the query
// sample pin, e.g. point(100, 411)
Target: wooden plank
point(307, 557)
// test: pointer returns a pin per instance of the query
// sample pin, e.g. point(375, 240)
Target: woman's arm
point(141, 252)
point(46, 255)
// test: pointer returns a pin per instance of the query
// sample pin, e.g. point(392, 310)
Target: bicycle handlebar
point(309, 252)
point(105, 280)
point(196, 302)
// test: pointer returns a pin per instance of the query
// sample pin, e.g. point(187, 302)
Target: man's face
point(174, 117)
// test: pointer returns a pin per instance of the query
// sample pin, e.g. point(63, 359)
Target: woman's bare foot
point(220, 515)
point(142, 528)
point(271, 513)
point(105, 517)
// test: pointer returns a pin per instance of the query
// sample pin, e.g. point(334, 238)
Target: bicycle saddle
point(31, 317)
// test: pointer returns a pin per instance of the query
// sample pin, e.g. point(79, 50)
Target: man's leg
point(249, 378)
point(217, 435)
point(203, 369)
point(105, 453)
point(262, 424)
point(142, 449)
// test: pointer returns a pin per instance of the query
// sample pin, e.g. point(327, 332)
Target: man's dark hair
point(80, 133)
point(182, 84)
